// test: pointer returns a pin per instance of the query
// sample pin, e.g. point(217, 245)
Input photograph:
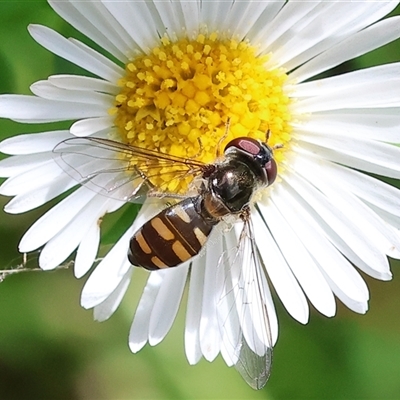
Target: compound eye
point(249, 145)
point(261, 153)
point(272, 171)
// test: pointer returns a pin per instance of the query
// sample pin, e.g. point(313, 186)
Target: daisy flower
point(185, 78)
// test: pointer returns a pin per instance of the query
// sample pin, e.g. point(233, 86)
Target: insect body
point(179, 232)
point(175, 235)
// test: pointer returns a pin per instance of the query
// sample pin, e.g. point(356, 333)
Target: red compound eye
point(260, 152)
point(272, 171)
point(249, 145)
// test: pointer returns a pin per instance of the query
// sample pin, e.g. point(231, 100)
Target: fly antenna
point(267, 135)
point(223, 137)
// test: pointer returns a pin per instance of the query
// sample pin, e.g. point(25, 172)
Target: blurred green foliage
point(50, 348)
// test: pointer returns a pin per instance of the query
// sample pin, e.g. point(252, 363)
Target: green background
point(50, 348)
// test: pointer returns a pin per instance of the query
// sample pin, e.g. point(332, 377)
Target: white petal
point(91, 126)
point(104, 310)
point(341, 275)
point(271, 312)
point(213, 13)
point(191, 16)
point(268, 35)
point(77, 82)
point(373, 190)
point(46, 90)
point(167, 303)
point(378, 74)
point(227, 309)
point(391, 219)
point(19, 164)
point(139, 331)
point(378, 124)
point(43, 174)
point(54, 220)
point(361, 215)
point(31, 109)
point(309, 31)
point(386, 94)
point(106, 277)
point(44, 192)
point(360, 43)
point(354, 244)
point(228, 352)
point(76, 53)
point(243, 15)
point(134, 18)
point(87, 251)
point(209, 329)
point(58, 248)
point(108, 274)
point(87, 17)
point(281, 276)
point(32, 143)
point(248, 288)
point(193, 312)
point(238, 299)
point(171, 17)
point(257, 34)
point(360, 15)
point(264, 322)
point(364, 154)
point(310, 38)
point(299, 260)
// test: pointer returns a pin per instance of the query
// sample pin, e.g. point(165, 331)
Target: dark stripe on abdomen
point(175, 235)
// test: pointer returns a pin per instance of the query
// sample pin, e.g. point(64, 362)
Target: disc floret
point(178, 98)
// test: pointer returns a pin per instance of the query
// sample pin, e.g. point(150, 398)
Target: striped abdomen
point(173, 236)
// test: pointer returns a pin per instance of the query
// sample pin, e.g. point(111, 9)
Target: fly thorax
point(233, 184)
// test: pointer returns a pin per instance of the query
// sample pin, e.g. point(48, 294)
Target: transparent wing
point(121, 171)
point(243, 309)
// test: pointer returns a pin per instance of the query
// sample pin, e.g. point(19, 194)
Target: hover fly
point(224, 189)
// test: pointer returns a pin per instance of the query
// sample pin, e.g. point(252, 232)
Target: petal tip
point(135, 347)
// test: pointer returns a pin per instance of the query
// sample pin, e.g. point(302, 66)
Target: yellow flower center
point(179, 98)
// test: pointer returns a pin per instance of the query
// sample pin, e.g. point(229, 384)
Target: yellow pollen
point(178, 99)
